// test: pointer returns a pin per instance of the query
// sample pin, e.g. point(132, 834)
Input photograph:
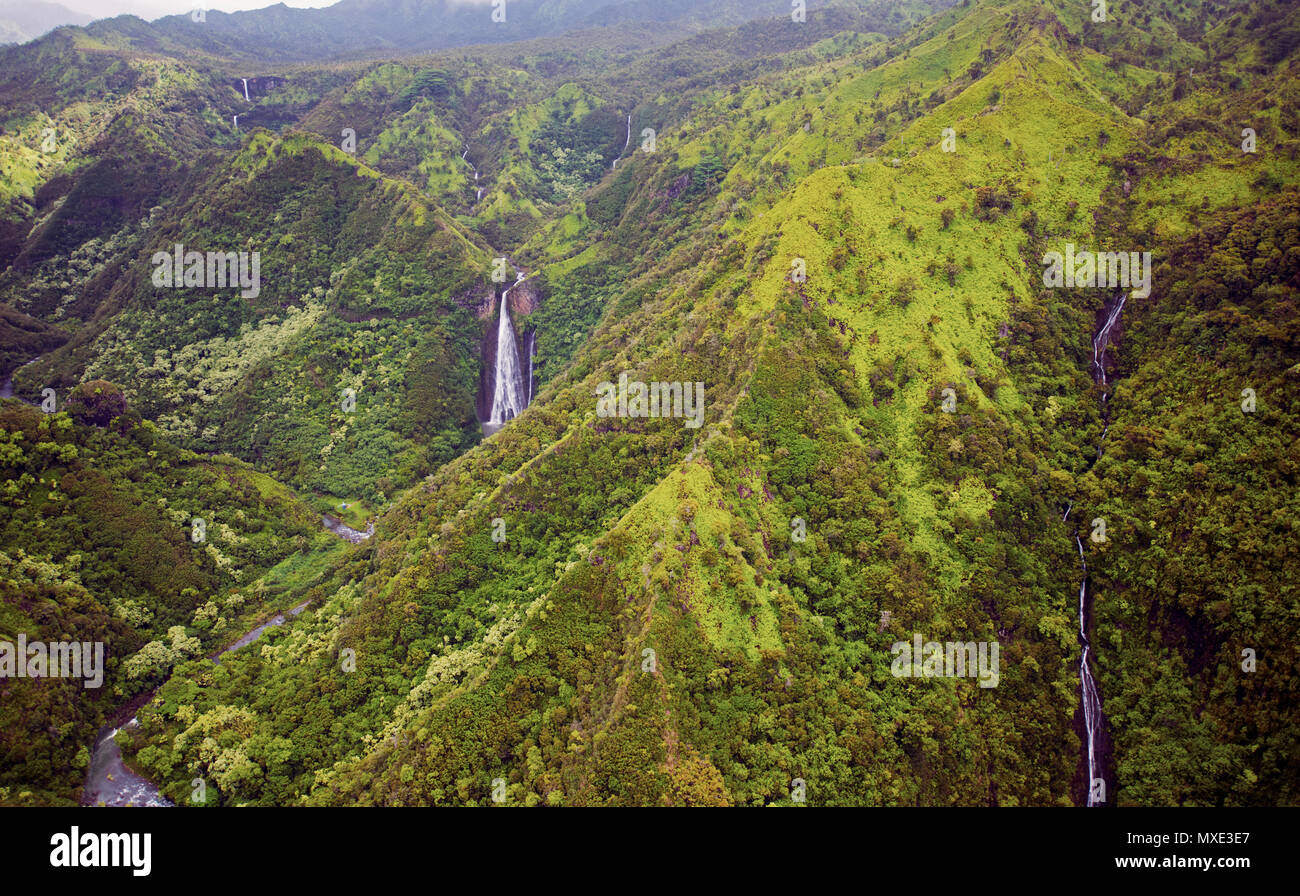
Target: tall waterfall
point(246, 97)
point(1101, 342)
point(508, 399)
point(626, 144)
point(1094, 719)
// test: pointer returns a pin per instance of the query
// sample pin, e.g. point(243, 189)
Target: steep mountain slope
point(899, 415)
point(101, 544)
point(137, 155)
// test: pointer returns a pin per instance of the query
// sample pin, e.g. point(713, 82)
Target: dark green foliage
point(428, 82)
point(647, 629)
point(1200, 495)
point(96, 403)
point(94, 551)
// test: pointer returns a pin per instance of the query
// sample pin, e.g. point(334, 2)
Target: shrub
point(96, 403)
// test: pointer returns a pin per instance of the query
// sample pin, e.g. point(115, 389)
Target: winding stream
point(110, 783)
point(7, 387)
point(345, 532)
point(108, 780)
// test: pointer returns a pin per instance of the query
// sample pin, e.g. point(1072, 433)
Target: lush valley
point(836, 228)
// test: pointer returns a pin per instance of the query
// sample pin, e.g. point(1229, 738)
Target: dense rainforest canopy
point(836, 226)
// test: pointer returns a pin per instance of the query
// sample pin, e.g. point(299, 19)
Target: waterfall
point(507, 398)
point(1101, 342)
point(236, 122)
point(246, 97)
point(628, 143)
point(464, 158)
point(1089, 694)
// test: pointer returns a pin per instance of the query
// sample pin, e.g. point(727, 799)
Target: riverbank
point(110, 781)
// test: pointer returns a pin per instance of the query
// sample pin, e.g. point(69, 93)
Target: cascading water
point(508, 400)
point(246, 96)
point(465, 158)
point(236, 122)
point(1101, 342)
point(626, 144)
point(1090, 695)
point(110, 783)
point(1087, 684)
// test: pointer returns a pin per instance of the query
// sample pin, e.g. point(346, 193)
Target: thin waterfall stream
point(464, 157)
point(1094, 719)
point(626, 144)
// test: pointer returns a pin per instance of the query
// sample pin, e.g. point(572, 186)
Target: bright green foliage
point(613, 611)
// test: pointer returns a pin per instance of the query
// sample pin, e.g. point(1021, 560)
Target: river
point(108, 780)
point(7, 387)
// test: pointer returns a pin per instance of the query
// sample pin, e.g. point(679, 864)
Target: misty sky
point(152, 9)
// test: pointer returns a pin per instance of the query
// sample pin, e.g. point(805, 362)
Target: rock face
point(525, 298)
point(677, 187)
point(482, 300)
point(258, 85)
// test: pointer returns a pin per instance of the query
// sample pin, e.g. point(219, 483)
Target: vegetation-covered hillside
point(837, 228)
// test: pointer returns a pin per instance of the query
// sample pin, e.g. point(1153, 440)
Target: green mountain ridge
point(352, 28)
point(584, 610)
